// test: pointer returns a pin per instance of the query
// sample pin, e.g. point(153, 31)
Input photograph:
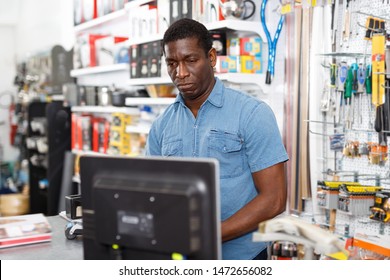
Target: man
point(209, 120)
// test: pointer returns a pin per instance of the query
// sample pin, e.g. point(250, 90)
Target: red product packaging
point(75, 141)
point(100, 135)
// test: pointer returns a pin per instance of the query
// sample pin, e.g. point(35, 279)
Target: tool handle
point(268, 78)
point(355, 68)
point(378, 118)
point(387, 62)
point(369, 26)
point(361, 78)
point(368, 79)
point(349, 83)
point(342, 76)
point(333, 71)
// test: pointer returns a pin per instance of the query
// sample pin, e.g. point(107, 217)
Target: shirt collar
point(215, 97)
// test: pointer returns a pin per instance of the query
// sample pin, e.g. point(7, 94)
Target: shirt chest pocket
point(172, 148)
point(227, 148)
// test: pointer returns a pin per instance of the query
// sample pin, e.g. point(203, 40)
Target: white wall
point(43, 24)
point(26, 28)
point(7, 73)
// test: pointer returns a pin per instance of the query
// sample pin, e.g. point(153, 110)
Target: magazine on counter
point(24, 229)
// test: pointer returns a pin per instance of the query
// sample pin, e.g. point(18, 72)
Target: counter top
point(59, 248)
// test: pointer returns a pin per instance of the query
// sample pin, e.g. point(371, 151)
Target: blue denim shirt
point(240, 132)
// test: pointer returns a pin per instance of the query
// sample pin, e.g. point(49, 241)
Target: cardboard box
point(100, 134)
point(106, 48)
point(121, 53)
point(135, 58)
point(89, 10)
point(143, 21)
point(75, 145)
point(222, 65)
point(233, 46)
point(232, 63)
point(78, 12)
point(154, 66)
point(186, 9)
point(212, 11)
point(103, 7)
point(251, 46)
point(163, 15)
point(250, 64)
point(174, 10)
point(219, 41)
point(86, 137)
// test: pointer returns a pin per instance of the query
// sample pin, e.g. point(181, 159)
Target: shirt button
point(195, 126)
point(193, 153)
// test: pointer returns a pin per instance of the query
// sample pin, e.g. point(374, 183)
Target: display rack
point(359, 168)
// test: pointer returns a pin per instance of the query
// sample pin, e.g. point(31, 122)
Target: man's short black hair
point(188, 28)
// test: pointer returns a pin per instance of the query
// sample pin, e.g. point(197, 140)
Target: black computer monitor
point(150, 208)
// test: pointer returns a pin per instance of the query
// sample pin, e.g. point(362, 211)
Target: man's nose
point(181, 71)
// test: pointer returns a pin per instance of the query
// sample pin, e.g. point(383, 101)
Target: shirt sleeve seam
point(259, 167)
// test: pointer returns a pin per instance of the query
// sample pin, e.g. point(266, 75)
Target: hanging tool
point(387, 63)
point(335, 17)
point(361, 79)
point(386, 109)
point(348, 97)
point(368, 85)
point(271, 43)
point(333, 73)
point(387, 92)
point(378, 69)
point(378, 84)
point(346, 22)
point(342, 77)
point(355, 86)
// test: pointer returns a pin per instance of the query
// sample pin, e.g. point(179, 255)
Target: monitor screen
point(150, 208)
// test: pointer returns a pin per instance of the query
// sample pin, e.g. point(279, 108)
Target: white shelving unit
point(138, 129)
point(133, 101)
point(104, 110)
point(242, 78)
point(238, 78)
point(99, 69)
point(150, 81)
point(100, 21)
point(119, 74)
point(239, 25)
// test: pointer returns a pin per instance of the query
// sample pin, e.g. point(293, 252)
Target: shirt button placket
point(195, 137)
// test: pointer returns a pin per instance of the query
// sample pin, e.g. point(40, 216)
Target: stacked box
point(356, 200)
point(119, 138)
point(145, 60)
point(100, 134)
point(327, 197)
point(243, 56)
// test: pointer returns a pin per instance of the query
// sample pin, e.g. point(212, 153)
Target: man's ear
point(213, 57)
